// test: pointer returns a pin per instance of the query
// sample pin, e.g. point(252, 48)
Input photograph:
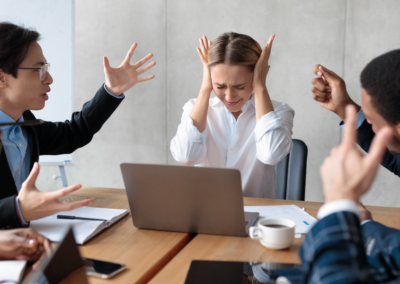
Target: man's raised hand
point(329, 90)
point(125, 76)
point(347, 173)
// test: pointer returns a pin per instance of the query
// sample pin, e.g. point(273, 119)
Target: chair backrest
point(290, 173)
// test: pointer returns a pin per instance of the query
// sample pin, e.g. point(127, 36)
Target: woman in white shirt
point(241, 128)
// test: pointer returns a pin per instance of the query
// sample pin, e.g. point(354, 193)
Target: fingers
point(31, 180)
point(143, 79)
point(350, 132)
point(203, 48)
point(147, 67)
point(206, 42)
point(106, 63)
point(74, 205)
point(320, 84)
point(203, 60)
point(63, 192)
point(378, 147)
point(20, 241)
point(269, 44)
point(143, 60)
point(320, 96)
point(128, 56)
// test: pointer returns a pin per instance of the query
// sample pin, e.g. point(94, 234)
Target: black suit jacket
point(54, 138)
point(365, 137)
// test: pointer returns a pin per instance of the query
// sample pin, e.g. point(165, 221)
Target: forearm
point(262, 101)
point(66, 137)
point(200, 110)
point(341, 112)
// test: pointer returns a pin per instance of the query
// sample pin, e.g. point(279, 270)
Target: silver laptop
point(187, 199)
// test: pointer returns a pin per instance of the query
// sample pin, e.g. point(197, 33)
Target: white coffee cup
point(279, 237)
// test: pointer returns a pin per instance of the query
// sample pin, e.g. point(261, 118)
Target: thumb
point(31, 180)
point(106, 63)
point(19, 241)
point(328, 74)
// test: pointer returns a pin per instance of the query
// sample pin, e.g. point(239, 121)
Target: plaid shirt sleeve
point(333, 251)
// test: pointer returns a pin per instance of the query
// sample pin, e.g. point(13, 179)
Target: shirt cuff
point(360, 120)
point(192, 132)
point(120, 97)
point(21, 219)
point(268, 122)
point(338, 206)
point(365, 222)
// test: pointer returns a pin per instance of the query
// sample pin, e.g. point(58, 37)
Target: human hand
point(22, 244)
point(347, 173)
point(125, 76)
point(261, 69)
point(35, 204)
point(205, 45)
point(364, 213)
point(330, 91)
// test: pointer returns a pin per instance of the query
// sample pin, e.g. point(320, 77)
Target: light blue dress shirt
point(18, 150)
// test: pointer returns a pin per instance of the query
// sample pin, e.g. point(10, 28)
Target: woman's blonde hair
point(234, 49)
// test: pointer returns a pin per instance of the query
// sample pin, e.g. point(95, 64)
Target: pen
point(79, 218)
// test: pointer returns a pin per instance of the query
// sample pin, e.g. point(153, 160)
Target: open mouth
point(45, 96)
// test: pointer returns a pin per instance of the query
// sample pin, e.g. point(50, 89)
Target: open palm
point(125, 76)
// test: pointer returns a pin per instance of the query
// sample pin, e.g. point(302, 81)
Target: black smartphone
point(24, 123)
point(232, 272)
point(102, 269)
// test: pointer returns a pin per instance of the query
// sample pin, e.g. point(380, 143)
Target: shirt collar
point(4, 118)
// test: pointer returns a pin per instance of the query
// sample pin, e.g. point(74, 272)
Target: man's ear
point(3, 81)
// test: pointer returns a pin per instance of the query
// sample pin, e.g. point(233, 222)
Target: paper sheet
point(302, 219)
point(54, 229)
point(11, 270)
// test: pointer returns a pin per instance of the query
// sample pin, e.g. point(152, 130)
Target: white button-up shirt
point(252, 147)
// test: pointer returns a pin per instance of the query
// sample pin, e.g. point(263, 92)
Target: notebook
point(12, 271)
point(54, 229)
point(302, 219)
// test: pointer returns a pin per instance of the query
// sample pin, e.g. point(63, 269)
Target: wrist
point(259, 88)
point(112, 91)
point(341, 112)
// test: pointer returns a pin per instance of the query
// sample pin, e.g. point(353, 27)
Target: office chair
point(290, 173)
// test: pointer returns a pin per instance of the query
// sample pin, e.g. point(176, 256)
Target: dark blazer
point(365, 137)
point(54, 138)
point(333, 251)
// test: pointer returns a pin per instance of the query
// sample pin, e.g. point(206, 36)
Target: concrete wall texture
point(343, 35)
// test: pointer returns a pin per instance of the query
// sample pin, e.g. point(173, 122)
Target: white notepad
point(54, 229)
point(12, 271)
point(302, 219)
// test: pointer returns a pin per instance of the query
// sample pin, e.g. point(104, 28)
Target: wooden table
point(144, 252)
point(210, 247)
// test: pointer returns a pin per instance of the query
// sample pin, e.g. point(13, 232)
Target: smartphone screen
point(102, 269)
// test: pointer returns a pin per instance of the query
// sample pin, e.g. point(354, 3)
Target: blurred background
point(343, 35)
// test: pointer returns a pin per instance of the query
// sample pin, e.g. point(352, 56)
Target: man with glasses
point(24, 86)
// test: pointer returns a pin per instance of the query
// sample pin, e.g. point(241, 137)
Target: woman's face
point(233, 85)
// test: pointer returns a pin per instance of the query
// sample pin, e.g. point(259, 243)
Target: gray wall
point(342, 35)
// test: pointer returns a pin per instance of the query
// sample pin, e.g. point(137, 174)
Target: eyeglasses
point(42, 70)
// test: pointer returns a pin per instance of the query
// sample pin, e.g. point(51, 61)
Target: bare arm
point(263, 102)
point(200, 108)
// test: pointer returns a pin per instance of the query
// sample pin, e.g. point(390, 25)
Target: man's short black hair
point(381, 79)
point(14, 45)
